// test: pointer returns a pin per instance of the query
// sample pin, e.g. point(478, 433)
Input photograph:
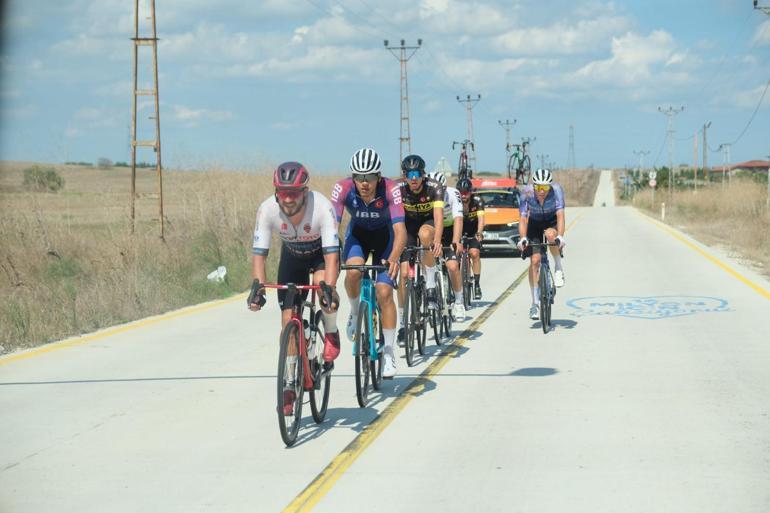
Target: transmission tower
point(670, 113)
point(726, 156)
point(469, 104)
point(571, 154)
point(641, 154)
point(152, 42)
point(706, 174)
point(507, 126)
point(405, 138)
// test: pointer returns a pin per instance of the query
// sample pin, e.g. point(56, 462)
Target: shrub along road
point(650, 394)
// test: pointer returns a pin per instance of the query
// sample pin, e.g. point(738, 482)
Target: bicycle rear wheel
point(513, 166)
point(363, 369)
point(419, 318)
point(467, 280)
point(409, 322)
point(448, 300)
point(319, 395)
point(545, 300)
point(290, 381)
point(526, 168)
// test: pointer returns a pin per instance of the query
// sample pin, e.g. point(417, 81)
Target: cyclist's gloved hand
point(329, 299)
point(256, 299)
point(459, 248)
point(437, 247)
point(560, 240)
point(479, 236)
point(523, 242)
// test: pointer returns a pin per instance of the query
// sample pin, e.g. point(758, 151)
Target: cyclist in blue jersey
point(541, 209)
point(377, 228)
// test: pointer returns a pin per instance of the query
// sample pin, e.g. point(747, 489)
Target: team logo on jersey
point(379, 203)
point(306, 228)
point(423, 199)
point(284, 227)
point(355, 203)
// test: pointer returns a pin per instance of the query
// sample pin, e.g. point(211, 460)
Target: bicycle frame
point(368, 298)
point(296, 318)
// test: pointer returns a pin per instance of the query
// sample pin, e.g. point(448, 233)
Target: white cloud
point(762, 34)
point(586, 36)
point(748, 99)
point(191, 117)
point(462, 18)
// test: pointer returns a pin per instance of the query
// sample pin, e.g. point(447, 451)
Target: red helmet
point(290, 175)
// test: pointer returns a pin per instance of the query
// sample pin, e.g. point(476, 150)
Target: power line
point(751, 119)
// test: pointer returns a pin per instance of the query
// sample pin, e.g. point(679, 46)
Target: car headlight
point(511, 225)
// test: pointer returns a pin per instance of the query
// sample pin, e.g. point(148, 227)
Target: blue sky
point(249, 84)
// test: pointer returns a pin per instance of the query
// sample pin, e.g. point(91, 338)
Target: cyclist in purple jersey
point(541, 209)
point(377, 228)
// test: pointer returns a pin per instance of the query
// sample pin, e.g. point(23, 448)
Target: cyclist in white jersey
point(452, 235)
point(307, 225)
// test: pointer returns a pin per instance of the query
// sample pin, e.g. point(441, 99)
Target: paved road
point(650, 395)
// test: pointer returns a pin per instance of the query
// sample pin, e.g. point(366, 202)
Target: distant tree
point(39, 178)
point(103, 163)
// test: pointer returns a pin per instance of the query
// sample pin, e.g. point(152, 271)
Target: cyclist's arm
point(480, 217)
point(560, 222)
point(399, 240)
point(330, 241)
point(523, 223)
point(331, 267)
point(258, 268)
point(261, 242)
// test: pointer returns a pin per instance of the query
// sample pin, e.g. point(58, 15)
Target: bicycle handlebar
point(363, 267)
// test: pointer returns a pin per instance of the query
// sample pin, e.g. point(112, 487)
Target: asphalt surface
point(650, 394)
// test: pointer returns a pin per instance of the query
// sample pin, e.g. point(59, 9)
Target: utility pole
point(695, 162)
point(469, 104)
point(670, 113)
point(507, 126)
point(706, 174)
point(726, 156)
point(641, 154)
point(405, 139)
point(151, 41)
point(571, 154)
point(542, 158)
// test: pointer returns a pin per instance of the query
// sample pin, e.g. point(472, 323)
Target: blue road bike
point(368, 342)
point(546, 284)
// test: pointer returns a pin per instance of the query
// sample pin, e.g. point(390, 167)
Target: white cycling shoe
point(389, 364)
point(558, 278)
point(351, 329)
point(534, 312)
point(458, 312)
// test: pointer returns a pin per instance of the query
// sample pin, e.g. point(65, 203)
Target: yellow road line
point(108, 332)
point(320, 486)
point(708, 256)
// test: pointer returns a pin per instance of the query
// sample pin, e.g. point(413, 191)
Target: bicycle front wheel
point(290, 384)
point(375, 366)
point(545, 300)
point(467, 279)
point(421, 330)
point(319, 395)
point(438, 312)
point(526, 169)
point(363, 369)
point(409, 323)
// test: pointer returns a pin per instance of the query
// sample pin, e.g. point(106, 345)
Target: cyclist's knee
point(384, 294)
point(550, 234)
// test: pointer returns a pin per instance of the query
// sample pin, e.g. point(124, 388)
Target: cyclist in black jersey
point(473, 227)
point(424, 209)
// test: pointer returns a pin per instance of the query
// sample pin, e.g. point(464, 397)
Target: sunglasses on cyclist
point(366, 178)
point(289, 194)
point(414, 174)
point(465, 196)
point(543, 187)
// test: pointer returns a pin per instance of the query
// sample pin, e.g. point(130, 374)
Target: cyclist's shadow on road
point(557, 324)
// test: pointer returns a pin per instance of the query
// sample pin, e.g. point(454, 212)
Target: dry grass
point(579, 185)
point(68, 263)
point(735, 217)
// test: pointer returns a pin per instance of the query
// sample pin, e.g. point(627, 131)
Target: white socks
point(330, 321)
point(430, 277)
point(354, 302)
point(390, 338)
point(557, 261)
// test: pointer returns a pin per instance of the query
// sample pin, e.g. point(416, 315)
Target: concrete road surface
point(650, 394)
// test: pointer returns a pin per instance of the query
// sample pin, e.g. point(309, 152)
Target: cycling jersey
point(419, 206)
point(386, 209)
point(315, 233)
point(530, 208)
point(471, 217)
point(453, 206)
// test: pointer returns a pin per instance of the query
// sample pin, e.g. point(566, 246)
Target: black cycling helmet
point(290, 175)
point(413, 162)
point(464, 185)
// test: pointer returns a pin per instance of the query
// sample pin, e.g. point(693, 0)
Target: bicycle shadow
point(534, 372)
point(557, 324)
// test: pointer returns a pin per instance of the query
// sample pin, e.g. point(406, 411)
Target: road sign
point(653, 183)
point(652, 175)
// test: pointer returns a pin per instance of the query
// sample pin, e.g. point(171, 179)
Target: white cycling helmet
point(365, 162)
point(542, 177)
point(437, 176)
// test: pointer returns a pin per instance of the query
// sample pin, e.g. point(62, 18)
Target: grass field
point(734, 217)
point(69, 263)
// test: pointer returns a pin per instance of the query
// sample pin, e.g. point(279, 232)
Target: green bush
point(39, 178)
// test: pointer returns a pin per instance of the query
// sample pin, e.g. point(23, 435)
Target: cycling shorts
point(535, 231)
point(295, 269)
point(412, 231)
point(472, 243)
point(361, 242)
point(446, 240)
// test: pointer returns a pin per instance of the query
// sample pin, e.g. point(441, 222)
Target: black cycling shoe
point(477, 292)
